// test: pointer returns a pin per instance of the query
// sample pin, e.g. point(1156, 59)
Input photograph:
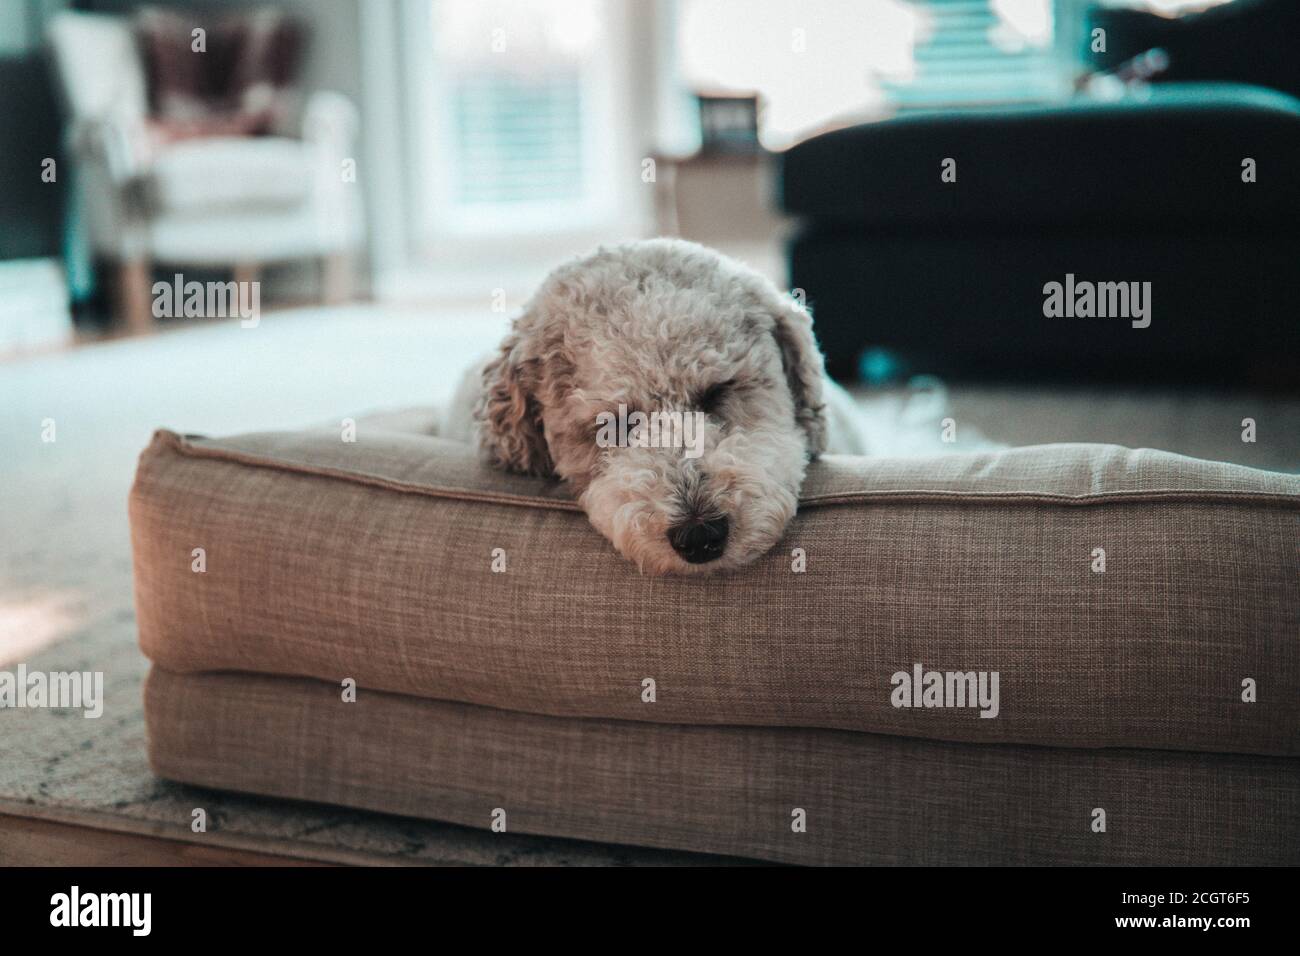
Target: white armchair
point(216, 201)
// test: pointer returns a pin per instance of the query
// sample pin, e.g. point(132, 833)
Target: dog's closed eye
point(711, 398)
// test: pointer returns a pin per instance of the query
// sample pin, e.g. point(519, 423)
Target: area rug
point(75, 421)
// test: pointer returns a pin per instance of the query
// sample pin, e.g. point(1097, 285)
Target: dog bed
point(1063, 653)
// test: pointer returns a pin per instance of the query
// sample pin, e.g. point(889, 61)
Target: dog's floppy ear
point(804, 368)
point(510, 433)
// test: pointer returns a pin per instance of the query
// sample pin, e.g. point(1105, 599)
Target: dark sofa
point(908, 273)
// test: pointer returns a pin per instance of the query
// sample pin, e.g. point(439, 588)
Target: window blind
point(980, 52)
point(518, 135)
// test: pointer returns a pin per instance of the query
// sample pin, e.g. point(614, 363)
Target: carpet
point(74, 422)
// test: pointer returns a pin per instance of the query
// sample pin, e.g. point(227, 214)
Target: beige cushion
point(867, 798)
point(372, 560)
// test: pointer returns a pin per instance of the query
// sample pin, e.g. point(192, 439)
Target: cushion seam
point(184, 446)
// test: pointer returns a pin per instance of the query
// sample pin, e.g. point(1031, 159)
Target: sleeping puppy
point(676, 391)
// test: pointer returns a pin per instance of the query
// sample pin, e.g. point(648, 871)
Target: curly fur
point(655, 325)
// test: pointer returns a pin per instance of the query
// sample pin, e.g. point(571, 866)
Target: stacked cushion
point(702, 713)
point(911, 270)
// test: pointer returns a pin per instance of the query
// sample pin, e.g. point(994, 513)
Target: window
point(827, 62)
point(978, 52)
point(516, 116)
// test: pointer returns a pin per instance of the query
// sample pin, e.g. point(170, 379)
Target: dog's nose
point(699, 542)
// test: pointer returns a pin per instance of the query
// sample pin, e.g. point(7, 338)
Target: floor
point(73, 425)
point(1202, 424)
point(29, 842)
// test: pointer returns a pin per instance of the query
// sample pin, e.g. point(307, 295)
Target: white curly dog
point(724, 371)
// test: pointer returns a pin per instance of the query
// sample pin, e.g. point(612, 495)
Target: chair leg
point(132, 305)
point(337, 278)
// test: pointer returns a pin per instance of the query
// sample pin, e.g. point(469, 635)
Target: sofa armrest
point(330, 122)
point(329, 128)
point(111, 163)
point(113, 144)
